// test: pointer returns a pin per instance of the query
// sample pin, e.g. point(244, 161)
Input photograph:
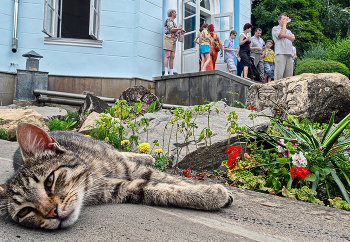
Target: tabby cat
point(56, 175)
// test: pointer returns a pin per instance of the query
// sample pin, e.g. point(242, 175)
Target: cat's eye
point(49, 182)
point(23, 212)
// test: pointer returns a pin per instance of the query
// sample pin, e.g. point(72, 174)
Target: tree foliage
point(305, 24)
point(335, 18)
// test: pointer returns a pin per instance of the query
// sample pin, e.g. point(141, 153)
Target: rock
point(48, 113)
point(133, 94)
point(311, 96)
point(90, 121)
point(15, 116)
point(159, 120)
point(91, 104)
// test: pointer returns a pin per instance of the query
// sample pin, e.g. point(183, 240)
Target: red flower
point(233, 152)
point(187, 173)
point(233, 149)
point(335, 144)
point(333, 151)
point(252, 108)
point(142, 114)
point(301, 172)
point(339, 148)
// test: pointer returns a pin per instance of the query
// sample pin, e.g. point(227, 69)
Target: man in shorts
point(229, 55)
point(169, 41)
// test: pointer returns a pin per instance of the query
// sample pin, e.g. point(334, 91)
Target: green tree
point(335, 17)
point(305, 25)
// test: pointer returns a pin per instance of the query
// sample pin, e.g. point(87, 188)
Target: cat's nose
point(52, 214)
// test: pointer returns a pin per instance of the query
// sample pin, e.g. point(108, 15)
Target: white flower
point(346, 150)
point(280, 148)
point(299, 160)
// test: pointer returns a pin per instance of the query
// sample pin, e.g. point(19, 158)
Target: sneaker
point(166, 74)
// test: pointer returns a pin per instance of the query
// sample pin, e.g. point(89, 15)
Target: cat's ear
point(34, 141)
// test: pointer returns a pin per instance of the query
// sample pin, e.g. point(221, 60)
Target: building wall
point(131, 32)
point(7, 88)
point(98, 86)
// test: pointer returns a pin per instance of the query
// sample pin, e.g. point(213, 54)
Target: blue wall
point(131, 31)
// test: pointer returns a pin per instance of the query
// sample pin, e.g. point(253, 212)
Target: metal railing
point(111, 101)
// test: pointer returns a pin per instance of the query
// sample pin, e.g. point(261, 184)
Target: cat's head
point(48, 190)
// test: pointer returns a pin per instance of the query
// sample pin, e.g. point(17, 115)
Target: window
point(71, 21)
point(190, 14)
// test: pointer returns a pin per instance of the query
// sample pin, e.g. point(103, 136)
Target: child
point(269, 59)
point(204, 49)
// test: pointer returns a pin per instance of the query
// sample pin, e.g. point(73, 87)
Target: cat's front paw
point(229, 200)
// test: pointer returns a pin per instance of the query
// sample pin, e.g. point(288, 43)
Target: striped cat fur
point(56, 174)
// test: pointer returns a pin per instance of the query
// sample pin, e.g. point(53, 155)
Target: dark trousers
point(239, 68)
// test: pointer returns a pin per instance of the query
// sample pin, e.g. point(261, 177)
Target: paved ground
point(252, 217)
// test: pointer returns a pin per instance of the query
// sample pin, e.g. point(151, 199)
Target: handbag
point(217, 44)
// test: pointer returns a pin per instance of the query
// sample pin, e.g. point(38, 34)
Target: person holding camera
point(283, 39)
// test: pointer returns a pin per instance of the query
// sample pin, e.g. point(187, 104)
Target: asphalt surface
point(252, 217)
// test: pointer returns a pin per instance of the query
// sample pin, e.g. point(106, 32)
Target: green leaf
point(282, 161)
point(290, 181)
point(334, 135)
point(315, 183)
point(266, 164)
point(311, 178)
point(314, 137)
point(329, 128)
point(325, 171)
point(311, 140)
point(341, 186)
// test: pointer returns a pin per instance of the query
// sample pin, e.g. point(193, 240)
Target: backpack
point(217, 43)
point(253, 72)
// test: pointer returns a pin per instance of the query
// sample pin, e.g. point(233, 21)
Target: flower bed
point(289, 159)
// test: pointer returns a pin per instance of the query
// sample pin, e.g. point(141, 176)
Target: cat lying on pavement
point(56, 174)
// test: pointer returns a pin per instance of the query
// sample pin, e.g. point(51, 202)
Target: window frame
point(54, 33)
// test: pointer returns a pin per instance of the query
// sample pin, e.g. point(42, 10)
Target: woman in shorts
point(203, 40)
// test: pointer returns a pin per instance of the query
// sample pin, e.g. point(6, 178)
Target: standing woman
point(203, 40)
point(215, 47)
point(244, 51)
point(169, 41)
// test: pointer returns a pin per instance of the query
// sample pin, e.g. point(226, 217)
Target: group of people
point(270, 64)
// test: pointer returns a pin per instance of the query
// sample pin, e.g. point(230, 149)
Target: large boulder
point(311, 96)
point(136, 93)
point(12, 117)
point(160, 129)
point(91, 104)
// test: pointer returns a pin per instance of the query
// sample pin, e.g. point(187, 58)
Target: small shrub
point(3, 133)
point(318, 53)
point(321, 66)
point(341, 52)
point(55, 124)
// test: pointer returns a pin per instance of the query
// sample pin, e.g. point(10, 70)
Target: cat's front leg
point(141, 159)
point(206, 197)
